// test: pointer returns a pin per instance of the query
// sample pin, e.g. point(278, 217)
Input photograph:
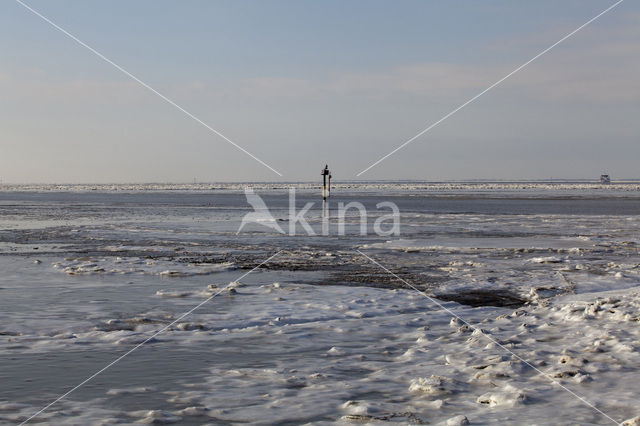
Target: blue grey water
point(87, 275)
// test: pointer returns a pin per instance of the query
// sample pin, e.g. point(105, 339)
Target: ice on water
point(279, 346)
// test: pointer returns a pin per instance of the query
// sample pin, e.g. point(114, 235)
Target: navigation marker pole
point(325, 205)
point(325, 173)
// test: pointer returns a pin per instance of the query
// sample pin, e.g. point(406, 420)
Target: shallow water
point(319, 334)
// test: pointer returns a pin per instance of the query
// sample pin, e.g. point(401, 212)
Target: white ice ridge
point(547, 186)
point(135, 265)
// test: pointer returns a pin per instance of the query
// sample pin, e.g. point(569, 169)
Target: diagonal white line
point(145, 85)
point(139, 345)
point(491, 87)
point(449, 311)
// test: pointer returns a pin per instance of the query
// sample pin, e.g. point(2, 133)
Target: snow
point(273, 348)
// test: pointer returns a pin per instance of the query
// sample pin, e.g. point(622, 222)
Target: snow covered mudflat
point(300, 353)
point(525, 311)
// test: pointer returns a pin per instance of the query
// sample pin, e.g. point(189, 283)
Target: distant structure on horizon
point(605, 179)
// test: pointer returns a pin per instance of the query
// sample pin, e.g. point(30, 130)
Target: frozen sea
point(498, 303)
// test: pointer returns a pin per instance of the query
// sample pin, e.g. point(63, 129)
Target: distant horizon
point(334, 181)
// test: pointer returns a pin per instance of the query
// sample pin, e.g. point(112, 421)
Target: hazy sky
point(304, 83)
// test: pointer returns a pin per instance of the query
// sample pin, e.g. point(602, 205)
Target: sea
point(492, 303)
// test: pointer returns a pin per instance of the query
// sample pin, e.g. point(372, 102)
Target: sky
point(301, 84)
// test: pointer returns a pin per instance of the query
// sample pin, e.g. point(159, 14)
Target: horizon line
point(337, 181)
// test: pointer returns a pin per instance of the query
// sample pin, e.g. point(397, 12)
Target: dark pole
point(324, 173)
